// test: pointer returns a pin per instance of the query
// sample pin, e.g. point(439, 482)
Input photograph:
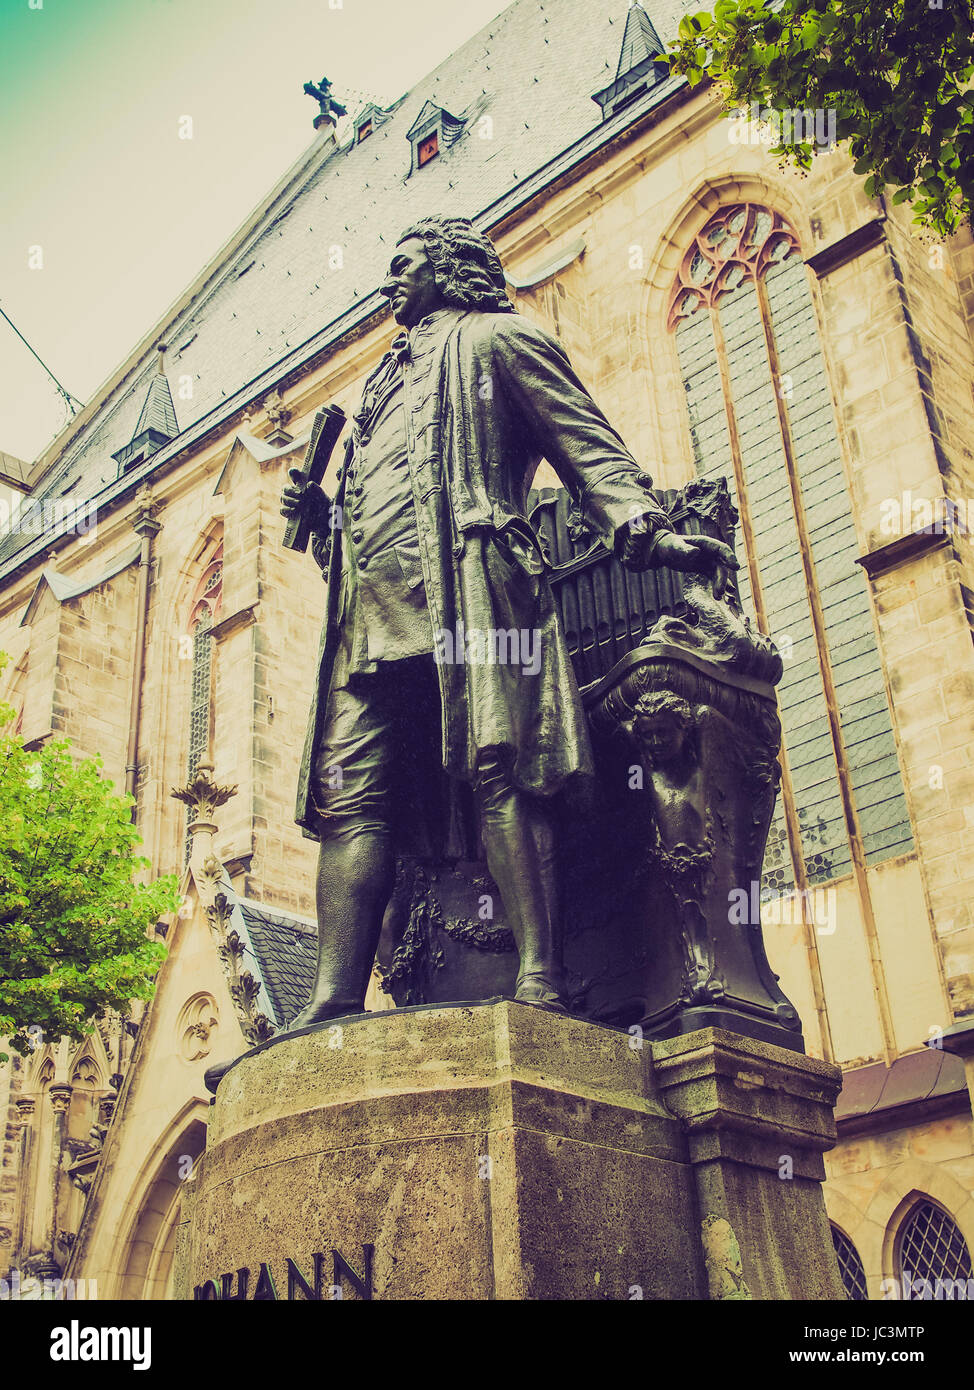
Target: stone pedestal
point(757, 1120)
point(497, 1151)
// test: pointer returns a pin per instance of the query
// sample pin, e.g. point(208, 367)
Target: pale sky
point(126, 213)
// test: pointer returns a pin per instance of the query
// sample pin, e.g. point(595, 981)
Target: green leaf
point(74, 916)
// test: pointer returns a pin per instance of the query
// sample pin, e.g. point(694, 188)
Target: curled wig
point(466, 266)
point(656, 703)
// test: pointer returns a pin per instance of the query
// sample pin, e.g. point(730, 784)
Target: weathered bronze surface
point(448, 716)
point(328, 107)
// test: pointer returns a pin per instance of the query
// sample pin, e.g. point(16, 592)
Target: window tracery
point(741, 241)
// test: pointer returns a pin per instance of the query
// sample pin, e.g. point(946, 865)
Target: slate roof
point(922, 1077)
point(532, 71)
point(65, 587)
point(284, 949)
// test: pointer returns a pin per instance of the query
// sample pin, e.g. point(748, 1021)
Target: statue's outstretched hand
point(303, 498)
point(634, 542)
point(698, 555)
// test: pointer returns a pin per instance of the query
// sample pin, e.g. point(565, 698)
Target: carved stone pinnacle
point(202, 794)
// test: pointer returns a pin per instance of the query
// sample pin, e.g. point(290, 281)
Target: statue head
point(440, 262)
point(661, 723)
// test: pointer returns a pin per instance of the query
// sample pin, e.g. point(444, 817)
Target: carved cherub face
point(662, 735)
point(662, 722)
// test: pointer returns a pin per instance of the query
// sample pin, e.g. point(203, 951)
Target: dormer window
point(432, 133)
point(368, 120)
point(428, 148)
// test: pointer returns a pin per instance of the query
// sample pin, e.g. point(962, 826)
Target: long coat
point(485, 401)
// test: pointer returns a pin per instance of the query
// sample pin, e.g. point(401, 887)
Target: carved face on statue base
point(661, 724)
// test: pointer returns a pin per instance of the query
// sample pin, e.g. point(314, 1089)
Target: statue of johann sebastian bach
point(434, 544)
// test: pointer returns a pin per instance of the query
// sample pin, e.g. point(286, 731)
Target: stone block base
point(493, 1151)
point(758, 1119)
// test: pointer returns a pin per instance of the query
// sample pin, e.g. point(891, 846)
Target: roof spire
point(157, 423)
point(640, 40)
point(158, 412)
point(642, 62)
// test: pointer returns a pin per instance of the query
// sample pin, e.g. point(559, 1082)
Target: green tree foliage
point(897, 74)
point(73, 921)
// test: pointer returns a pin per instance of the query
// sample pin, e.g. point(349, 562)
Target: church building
point(734, 320)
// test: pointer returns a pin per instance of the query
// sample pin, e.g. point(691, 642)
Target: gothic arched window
point(850, 1266)
point(83, 1110)
point(761, 416)
point(199, 641)
point(39, 1181)
point(930, 1248)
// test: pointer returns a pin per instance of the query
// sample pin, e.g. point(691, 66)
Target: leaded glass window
point(932, 1250)
point(850, 1266)
point(202, 617)
point(761, 417)
point(199, 711)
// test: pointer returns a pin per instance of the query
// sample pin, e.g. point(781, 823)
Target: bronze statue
point(442, 661)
